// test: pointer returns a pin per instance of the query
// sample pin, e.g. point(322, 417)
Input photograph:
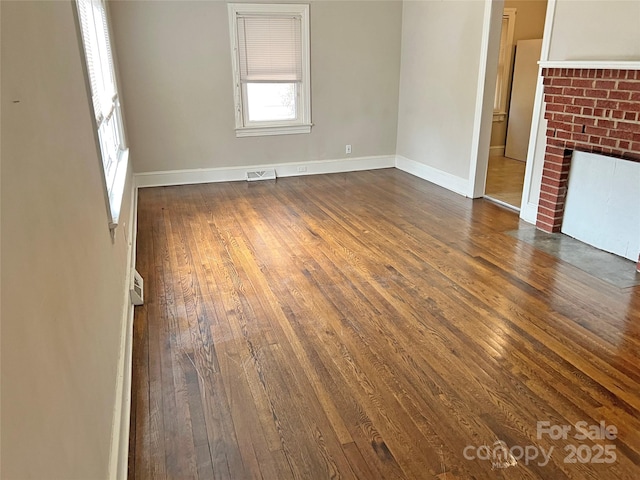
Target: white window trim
point(114, 189)
point(502, 92)
point(303, 124)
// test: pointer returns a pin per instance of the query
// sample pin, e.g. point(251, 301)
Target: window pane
point(110, 147)
point(271, 101)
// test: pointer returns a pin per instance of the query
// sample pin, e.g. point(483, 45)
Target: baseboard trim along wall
point(497, 151)
point(119, 454)
point(231, 174)
point(529, 212)
point(443, 179)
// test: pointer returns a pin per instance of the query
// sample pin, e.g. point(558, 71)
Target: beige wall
point(530, 15)
point(175, 66)
point(596, 30)
point(437, 87)
point(62, 275)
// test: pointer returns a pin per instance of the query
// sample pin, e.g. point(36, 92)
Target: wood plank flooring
point(369, 325)
point(505, 180)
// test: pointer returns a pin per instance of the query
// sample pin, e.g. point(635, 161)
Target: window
point(504, 64)
point(106, 104)
point(271, 71)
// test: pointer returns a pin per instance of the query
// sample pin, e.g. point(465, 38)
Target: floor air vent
point(268, 174)
point(137, 288)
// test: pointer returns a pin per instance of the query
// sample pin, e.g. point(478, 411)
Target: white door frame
point(486, 90)
point(484, 109)
point(528, 205)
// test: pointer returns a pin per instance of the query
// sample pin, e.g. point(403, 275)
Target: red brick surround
point(594, 111)
point(590, 110)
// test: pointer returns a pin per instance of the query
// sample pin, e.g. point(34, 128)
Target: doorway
point(520, 46)
point(505, 180)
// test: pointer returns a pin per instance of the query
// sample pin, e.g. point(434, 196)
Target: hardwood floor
point(369, 325)
point(505, 179)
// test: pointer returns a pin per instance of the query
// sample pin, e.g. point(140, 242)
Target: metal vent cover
point(267, 174)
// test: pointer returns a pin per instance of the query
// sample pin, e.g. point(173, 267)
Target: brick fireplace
point(590, 110)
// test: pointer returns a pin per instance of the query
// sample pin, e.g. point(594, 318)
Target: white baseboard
point(529, 212)
point(497, 151)
point(230, 174)
point(450, 182)
point(119, 454)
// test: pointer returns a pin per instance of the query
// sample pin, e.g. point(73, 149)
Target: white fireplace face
point(602, 205)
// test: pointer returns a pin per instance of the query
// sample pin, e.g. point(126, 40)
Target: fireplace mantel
point(592, 64)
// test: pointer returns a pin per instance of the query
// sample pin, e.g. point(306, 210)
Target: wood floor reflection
point(505, 179)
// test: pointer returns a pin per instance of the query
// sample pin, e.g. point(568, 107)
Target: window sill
point(272, 130)
point(116, 193)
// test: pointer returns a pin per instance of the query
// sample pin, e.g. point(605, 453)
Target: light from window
point(106, 103)
point(271, 101)
point(270, 56)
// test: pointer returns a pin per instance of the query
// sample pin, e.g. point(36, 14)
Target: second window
point(270, 59)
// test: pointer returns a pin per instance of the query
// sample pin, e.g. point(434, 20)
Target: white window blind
point(269, 49)
point(98, 56)
point(502, 59)
point(504, 64)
